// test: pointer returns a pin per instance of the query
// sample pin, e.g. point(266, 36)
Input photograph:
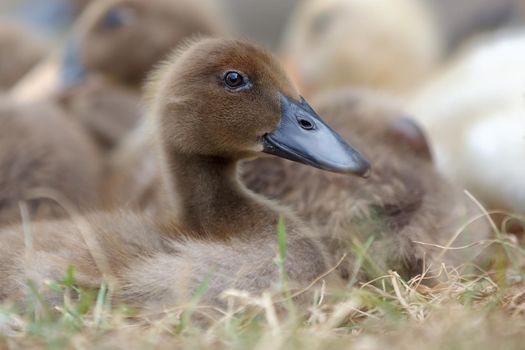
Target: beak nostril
point(306, 124)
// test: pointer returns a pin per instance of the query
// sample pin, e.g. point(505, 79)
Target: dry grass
point(482, 311)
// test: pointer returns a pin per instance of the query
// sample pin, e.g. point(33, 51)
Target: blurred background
point(265, 20)
point(261, 20)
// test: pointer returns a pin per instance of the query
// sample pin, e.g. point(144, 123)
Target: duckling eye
point(234, 80)
point(118, 17)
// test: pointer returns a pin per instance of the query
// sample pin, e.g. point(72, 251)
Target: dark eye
point(118, 17)
point(234, 80)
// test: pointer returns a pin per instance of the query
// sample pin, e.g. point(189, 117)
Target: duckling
point(106, 105)
point(38, 146)
point(477, 128)
point(112, 48)
point(138, 190)
point(107, 111)
point(379, 44)
point(216, 102)
point(404, 211)
point(133, 176)
point(124, 39)
point(105, 42)
point(20, 50)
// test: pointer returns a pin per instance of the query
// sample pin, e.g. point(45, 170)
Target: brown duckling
point(124, 39)
point(108, 105)
point(405, 210)
point(20, 50)
point(215, 103)
point(111, 50)
point(38, 146)
point(107, 111)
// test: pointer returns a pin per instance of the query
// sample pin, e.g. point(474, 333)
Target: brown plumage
point(215, 227)
point(42, 153)
point(113, 46)
point(404, 206)
point(107, 111)
point(162, 30)
point(20, 50)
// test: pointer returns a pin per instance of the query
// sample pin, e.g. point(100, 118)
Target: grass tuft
point(482, 310)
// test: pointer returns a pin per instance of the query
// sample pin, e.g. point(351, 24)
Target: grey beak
point(72, 72)
point(302, 136)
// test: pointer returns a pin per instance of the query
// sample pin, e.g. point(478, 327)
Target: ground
point(481, 311)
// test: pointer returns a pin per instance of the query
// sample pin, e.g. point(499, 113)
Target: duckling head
point(232, 100)
point(124, 39)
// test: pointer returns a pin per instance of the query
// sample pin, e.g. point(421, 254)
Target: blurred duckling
point(474, 114)
point(402, 218)
point(46, 161)
point(112, 48)
point(107, 111)
point(114, 45)
point(380, 44)
point(124, 39)
point(121, 41)
point(215, 103)
point(20, 51)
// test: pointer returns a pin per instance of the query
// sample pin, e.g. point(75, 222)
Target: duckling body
point(405, 210)
point(363, 43)
point(107, 111)
point(20, 50)
point(38, 146)
point(241, 104)
point(477, 129)
point(139, 189)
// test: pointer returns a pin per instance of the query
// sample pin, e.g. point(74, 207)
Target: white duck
point(381, 44)
point(475, 115)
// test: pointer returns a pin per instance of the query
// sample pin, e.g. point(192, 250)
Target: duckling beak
point(72, 72)
point(302, 136)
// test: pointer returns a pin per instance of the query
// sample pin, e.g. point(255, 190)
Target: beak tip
point(366, 173)
point(359, 165)
point(363, 170)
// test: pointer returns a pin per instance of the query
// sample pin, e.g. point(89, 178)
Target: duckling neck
point(210, 200)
